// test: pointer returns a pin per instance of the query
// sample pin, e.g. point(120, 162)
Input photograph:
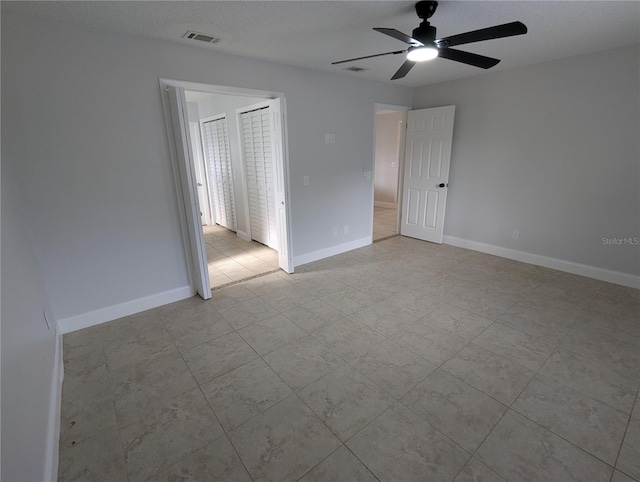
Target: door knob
point(441, 184)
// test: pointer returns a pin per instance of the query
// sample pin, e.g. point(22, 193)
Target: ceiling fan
point(423, 44)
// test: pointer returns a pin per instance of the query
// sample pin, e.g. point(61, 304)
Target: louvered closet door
point(256, 147)
point(216, 143)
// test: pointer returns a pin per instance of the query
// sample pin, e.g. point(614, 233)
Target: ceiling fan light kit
point(423, 44)
point(420, 54)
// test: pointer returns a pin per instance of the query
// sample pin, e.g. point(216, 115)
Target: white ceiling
point(314, 33)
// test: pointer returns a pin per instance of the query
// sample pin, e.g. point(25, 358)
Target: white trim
point(617, 277)
point(244, 236)
point(127, 308)
point(55, 410)
point(382, 204)
point(331, 251)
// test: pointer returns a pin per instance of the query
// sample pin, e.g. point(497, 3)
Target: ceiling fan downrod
point(425, 33)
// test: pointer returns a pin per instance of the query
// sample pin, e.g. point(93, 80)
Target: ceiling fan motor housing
point(425, 33)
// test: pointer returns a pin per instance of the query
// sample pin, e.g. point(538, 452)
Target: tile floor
point(232, 259)
point(400, 361)
point(384, 222)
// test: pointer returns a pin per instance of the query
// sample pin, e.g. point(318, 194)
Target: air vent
point(202, 37)
point(355, 69)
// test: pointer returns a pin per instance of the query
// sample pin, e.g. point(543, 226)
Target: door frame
point(398, 108)
point(187, 234)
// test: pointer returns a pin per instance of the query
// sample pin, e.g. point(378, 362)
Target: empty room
point(320, 241)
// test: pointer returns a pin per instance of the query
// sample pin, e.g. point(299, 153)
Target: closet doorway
point(226, 231)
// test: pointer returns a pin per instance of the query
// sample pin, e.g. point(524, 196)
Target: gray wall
point(86, 116)
point(551, 150)
point(387, 152)
point(28, 347)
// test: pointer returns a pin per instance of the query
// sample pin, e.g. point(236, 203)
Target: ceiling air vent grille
point(202, 37)
point(355, 69)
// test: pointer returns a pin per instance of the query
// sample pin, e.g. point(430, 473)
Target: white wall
point(551, 150)
point(193, 114)
point(386, 154)
point(85, 113)
point(28, 347)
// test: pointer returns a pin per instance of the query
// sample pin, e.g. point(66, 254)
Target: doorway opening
point(225, 157)
point(213, 152)
point(390, 124)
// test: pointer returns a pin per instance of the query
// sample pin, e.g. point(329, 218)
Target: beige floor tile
point(166, 434)
point(628, 461)
point(348, 339)
point(345, 401)
point(244, 392)
point(314, 315)
point(247, 312)
point(589, 424)
point(218, 461)
point(217, 357)
point(352, 334)
point(394, 369)
point(458, 410)
point(476, 471)
point(492, 374)
point(284, 442)
point(519, 449)
point(341, 465)
point(270, 334)
point(303, 362)
point(97, 459)
point(514, 345)
point(399, 445)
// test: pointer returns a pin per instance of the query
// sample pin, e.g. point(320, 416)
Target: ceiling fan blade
point(392, 32)
point(499, 31)
point(468, 58)
point(369, 56)
point(404, 69)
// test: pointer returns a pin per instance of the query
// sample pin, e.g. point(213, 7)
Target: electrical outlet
point(305, 180)
point(346, 229)
point(335, 231)
point(329, 138)
point(516, 234)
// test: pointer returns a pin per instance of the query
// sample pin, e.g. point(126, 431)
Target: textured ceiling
point(314, 33)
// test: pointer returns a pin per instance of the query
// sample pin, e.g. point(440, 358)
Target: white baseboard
point(55, 409)
point(127, 308)
point(617, 277)
point(381, 204)
point(244, 236)
point(331, 251)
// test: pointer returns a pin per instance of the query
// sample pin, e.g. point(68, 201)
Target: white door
point(257, 153)
point(217, 154)
point(201, 174)
point(178, 106)
point(426, 172)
